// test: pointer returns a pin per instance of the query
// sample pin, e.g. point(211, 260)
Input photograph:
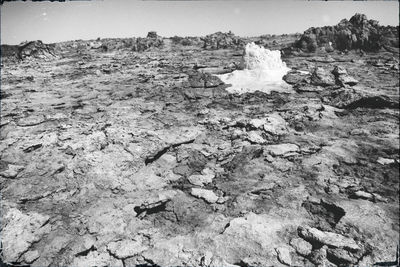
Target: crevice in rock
point(147, 211)
point(32, 148)
point(328, 211)
point(226, 226)
point(159, 154)
point(85, 252)
point(374, 102)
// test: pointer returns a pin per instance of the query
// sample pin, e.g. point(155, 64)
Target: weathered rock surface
point(109, 157)
point(20, 231)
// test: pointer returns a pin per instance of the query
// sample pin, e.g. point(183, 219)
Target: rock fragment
point(126, 248)
point(255, 138)
point(12, 171)
point(31, 256)
point(284, 255)
point(319, 256)
point(321, 77)
point(385, 161)
point(330, 239)
point(301, 246)
point(342, 78)
point(275, 125)
point(208, 195)
point(281, 149)
point(202, 179)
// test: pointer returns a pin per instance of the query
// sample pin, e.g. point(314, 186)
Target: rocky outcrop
point(356, 33)
point(143, 44)
point(186, 41)
point(220, 40)
point(27, 50)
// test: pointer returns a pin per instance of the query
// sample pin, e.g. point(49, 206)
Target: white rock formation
point(263, 71)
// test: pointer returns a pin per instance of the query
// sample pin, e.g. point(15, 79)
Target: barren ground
point(105, 158)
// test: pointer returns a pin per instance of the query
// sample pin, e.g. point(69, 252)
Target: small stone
point(275, 125)
point(385, 161)
point(205, 178)
point(257, 123)
point(254, 137)
point(284, 255)
point(301, 246)
point(328, 238)
point(208, 195)
point(360, 132)
point(281, 149)
point(333, 189)
point(200, 180)
point(222, 200)
point(321, 77)
point(339, 70)
point(31, 256)
point(318, 256)
point(126, 248)
point(206, 259)
point(363, 195)
point(12, 171)
point(346, 80)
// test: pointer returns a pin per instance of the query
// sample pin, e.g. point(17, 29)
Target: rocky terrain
point(115, 155)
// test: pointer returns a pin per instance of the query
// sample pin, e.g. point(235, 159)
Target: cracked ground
point(114, 159)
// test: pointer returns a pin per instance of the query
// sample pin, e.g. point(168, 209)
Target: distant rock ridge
point(356, 33)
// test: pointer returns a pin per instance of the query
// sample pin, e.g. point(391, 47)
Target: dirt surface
point(118, 158)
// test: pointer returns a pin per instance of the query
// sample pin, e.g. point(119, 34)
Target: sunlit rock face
point(262, 71)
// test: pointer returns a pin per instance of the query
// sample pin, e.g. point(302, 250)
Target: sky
point(62, 21)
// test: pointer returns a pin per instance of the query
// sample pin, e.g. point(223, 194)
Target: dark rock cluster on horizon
point(356, 33)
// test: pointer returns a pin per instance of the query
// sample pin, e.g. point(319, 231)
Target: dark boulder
point(203, 80)
point(322, 78)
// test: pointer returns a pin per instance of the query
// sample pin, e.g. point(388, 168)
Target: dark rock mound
point(220, 40)
point(356, 33)
point(203, 80)
point(186, 41)
point(143, 44)
point(352, 99)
